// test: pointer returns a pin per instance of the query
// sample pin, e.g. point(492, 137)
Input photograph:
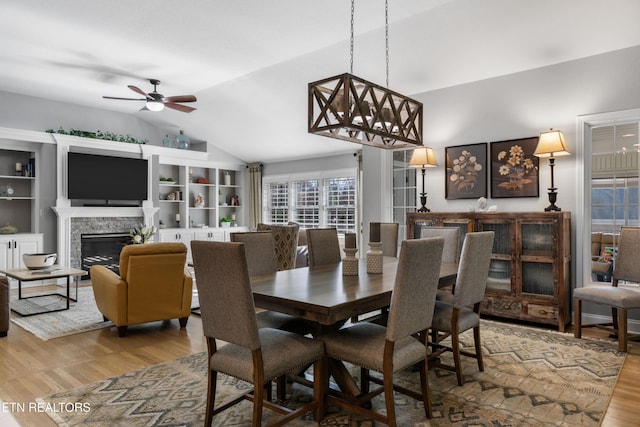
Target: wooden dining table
point(324, 295)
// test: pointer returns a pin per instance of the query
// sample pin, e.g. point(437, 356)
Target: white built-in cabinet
point(185, 235)
point(13, 246)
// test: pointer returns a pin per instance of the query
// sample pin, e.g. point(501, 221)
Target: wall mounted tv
point(106, 178)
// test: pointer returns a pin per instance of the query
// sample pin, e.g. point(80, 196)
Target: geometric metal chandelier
point(353, 109)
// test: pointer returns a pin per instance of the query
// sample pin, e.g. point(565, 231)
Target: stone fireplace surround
point(75, 221)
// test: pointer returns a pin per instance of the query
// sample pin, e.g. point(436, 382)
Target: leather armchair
point(153, 285)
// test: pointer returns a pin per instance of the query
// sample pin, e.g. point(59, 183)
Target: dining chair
point(621, 299)
point(261, 259)
point(451, 251)
point(450, 319)
point(286, 242)
point(251, 354)
point(323, 246)
point(387, 234)
point(402, 343)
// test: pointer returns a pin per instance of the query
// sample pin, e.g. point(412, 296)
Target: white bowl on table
point(39, 261)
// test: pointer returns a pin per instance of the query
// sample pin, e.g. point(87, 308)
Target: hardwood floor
point(32, 368)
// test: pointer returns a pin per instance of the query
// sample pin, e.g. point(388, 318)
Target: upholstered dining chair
point(451, 235)
point(153, 285)
point(395, 347)
point(285, 241)
point(261, 259)
point(387, 234)
point(323, 246)
point(450, 319)
point(250, 354)
point(620, 299)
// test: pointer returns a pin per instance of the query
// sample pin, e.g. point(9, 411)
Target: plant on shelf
point(141, 234)
point(225, 222)
point(109, 136)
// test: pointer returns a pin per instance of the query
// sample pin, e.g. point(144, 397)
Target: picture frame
point(466, 171)
point(514, 168)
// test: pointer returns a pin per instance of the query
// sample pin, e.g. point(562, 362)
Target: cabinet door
point(538, 243)
point(25, 246)
point(501, 269)
point(6, 254)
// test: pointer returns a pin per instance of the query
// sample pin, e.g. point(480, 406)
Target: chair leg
point(614, 317)
point(577, 318)
point(388, 397)
point(364, 380)
point(183, 321)
point(320, 386)
point(426, 390)
point(211, 397)
point(122, 331)
point(476, 339)
point(622, 329)
point(258, 397)
point(281, 387)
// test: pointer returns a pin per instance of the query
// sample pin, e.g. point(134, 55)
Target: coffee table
point(53, 272)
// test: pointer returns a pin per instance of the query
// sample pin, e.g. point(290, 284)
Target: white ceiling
point(249, 61)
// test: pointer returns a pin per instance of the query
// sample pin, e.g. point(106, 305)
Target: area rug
point(532, 377)
point(82, 315)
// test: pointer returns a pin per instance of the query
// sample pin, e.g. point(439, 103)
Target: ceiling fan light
point(155, 105)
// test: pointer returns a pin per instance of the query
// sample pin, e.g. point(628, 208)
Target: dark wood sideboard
point(529, 277)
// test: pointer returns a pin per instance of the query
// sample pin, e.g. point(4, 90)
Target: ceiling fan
point(157, 101)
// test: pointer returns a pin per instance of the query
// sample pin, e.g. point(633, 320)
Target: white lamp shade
point(423, 157)
point(551, 144)
point(155, 105)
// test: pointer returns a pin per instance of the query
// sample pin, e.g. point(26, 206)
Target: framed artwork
point(466, 171)
point(514, 168)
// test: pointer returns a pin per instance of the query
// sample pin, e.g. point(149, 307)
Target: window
point(327, 199)
point(614, 203)
point(404, 188)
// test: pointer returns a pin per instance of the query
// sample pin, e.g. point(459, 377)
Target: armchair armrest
point(110, 292)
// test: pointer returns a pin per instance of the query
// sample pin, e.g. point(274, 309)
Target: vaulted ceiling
point(249, 61)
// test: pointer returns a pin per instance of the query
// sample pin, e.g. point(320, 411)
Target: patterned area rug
point(532, 377)
point(82, 316)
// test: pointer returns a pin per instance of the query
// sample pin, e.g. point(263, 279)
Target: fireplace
point(102, 249)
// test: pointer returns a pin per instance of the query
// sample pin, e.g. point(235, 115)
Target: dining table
point(325, 295)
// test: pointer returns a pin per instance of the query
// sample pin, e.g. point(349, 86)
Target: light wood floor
point(32, 368)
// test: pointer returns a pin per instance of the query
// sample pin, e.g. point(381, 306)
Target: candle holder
point(350, 262)
point(374, 258)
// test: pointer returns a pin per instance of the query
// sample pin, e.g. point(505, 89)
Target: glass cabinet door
point(537, 257)
point(501, 267)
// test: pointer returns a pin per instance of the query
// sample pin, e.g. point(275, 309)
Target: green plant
point(225, 219)
point(109, 136)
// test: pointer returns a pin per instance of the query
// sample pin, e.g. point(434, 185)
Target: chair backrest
point(323, 245)
point(387, 234)
point(286, 241)
point(451, 235)
point(626, 265)
point(473, 270)
point(414, 293)
point(224, 290)
point(260, 250)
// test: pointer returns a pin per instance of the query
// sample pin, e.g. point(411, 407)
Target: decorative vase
point(167, 142)
point(350, 262)
point(182, 141)
point(374, 258)
point(227, 178)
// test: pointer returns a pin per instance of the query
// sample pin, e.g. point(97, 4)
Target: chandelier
point(353, 109)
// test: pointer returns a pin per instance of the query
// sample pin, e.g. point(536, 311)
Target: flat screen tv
point(106, 178)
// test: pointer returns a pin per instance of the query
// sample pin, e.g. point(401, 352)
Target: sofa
point(153, 285)
point(603, 247)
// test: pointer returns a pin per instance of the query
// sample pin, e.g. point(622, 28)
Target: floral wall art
point(514, 168)
point(466, 171)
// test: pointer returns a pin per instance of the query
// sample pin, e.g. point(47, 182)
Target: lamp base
point(423, 201)
point(552, 200)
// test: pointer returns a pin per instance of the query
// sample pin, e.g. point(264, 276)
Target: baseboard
point(633, 325)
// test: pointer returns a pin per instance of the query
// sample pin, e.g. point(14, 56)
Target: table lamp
point(423, 157)
point(551, 144)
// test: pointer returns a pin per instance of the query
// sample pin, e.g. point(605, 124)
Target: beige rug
point(532, 377)
point(82, 315)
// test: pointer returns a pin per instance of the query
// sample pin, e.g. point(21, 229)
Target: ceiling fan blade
point(138, 90)
point(183, 108)
point(125, 99)
point(181, 98)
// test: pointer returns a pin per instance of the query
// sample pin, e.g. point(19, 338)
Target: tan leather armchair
point(153, 285)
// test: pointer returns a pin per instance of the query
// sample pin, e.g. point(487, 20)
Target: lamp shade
point(423, 157)
point(551, 144)
point(155, 105)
